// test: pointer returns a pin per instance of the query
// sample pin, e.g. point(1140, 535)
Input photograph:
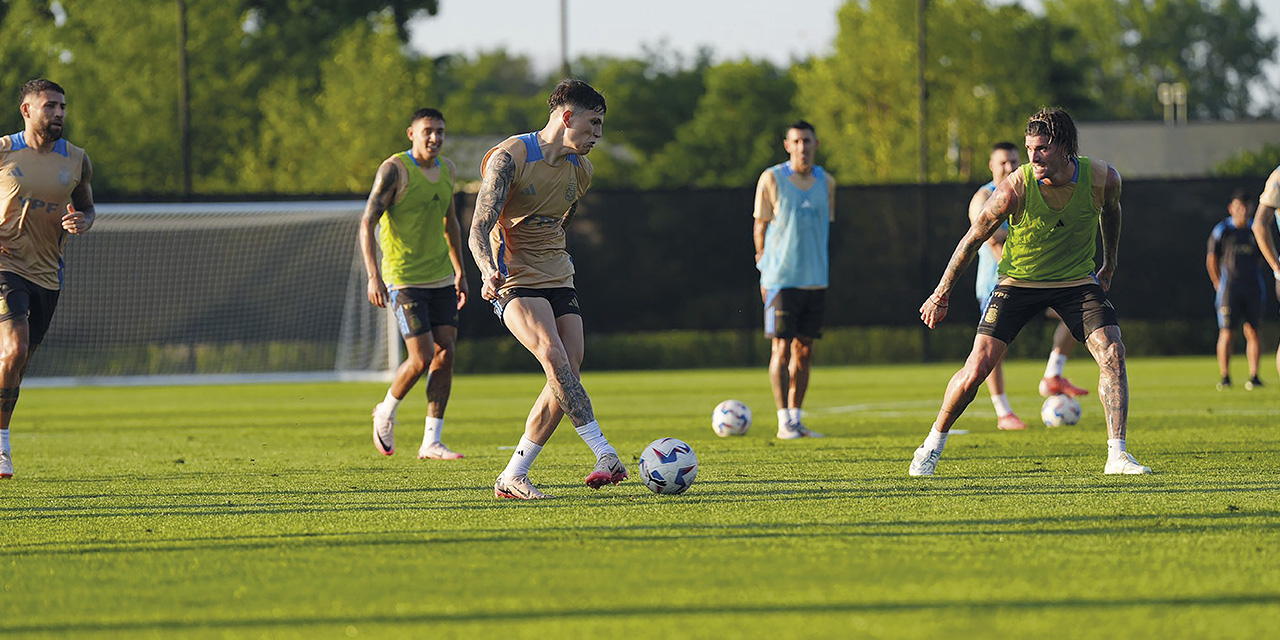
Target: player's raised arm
point(1109, 228)
point(1006, 200)
point(499, 174)
point(380, 198)
point(80, 213)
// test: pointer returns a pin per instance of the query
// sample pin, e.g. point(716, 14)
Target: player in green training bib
point(1055, 207)
point(420, 275)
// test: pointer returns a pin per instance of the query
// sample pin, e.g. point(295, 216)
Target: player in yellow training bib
point(44, 196)
point(1055, 206)
point(531, 186)
point(420, 275)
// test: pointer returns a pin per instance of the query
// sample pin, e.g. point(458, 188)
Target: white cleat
point(437, 451)
point(384, 431)
point(794, 430)
point(924, 461)
point(1124, 464)
point(6, 465)
point(517, 488)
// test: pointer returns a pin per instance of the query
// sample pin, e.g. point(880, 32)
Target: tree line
point(308, 96)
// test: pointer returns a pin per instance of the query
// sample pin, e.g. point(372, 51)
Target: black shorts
point(418, 309)
point(21, 298)
point(1083, 308)
point(1238, 304)
point(564, 300)
point(789, 313)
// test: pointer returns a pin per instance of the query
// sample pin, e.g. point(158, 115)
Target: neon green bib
point(1053, 246)
point(412, 236)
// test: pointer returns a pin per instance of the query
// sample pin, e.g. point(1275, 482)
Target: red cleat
point(1056, 385)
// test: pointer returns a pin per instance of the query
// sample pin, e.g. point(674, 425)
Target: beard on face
point(52, 131)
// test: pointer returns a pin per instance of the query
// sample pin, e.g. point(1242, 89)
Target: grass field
point(264, 511)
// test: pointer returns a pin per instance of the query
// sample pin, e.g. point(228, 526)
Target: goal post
point(216, 293)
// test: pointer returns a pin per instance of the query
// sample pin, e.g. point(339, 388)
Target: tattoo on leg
point(571, 396)
point(8, 399)
point(1113, 379)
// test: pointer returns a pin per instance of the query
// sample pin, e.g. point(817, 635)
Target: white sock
point(591, 434)
point(4, 440)
point(1115, 447)
point(390, 404)
point(784, 418)
point(1001, 403)
point(431, 433)
point(526, 452)
point(936, 440)
point(795, 414)
point(1057, 361)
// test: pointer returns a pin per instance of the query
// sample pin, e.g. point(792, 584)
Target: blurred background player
point(421, 275)
point(1268, 202)
point(1236, 269)
point(794, 207)
point(46, 195)
point(530, 188)
point(1056, 206)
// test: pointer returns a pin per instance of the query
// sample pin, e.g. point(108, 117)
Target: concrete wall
point(1158, 150)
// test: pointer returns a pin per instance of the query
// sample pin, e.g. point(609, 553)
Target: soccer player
point(795, 205)
point(1004, 160)
point(1268, 202)
point(44, 195)
point(421, 275)
point(1235, 268)
point(1054, 206)
point(530, 188)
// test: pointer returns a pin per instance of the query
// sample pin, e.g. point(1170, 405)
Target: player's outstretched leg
point(964, 385)
point(1113, 390)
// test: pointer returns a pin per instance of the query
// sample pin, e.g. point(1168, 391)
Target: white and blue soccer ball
point(1060, 410)
point(668, 466)
point(731, 418)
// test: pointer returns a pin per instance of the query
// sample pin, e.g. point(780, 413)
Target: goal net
point(216, 292)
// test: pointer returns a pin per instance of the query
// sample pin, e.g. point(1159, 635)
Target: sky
point(753, 28)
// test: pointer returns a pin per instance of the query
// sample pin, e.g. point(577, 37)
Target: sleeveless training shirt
point(988, 266)
point(529, 239)
point(795, 244)
point(1047, 245)
point(35, 189)
point(412, 234)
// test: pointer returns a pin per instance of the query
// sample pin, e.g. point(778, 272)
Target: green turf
point(265, 512)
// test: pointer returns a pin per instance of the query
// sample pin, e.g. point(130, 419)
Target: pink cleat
point(384, 431)
point(1056, 385)
point(1010, 422)
point(609, 470)
point(438, 451)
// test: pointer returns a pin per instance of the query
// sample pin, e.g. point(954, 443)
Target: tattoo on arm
point(1109, 221)
point(568, 217)
point(994, 213)
point(571, 396)
point(495, 187)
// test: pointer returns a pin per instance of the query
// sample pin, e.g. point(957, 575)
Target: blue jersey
point(1240, 264)
point(795, 245)
point(987, 263)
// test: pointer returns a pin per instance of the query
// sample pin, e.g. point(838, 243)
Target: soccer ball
point(668, 466)
point(1060, 410)
point(731, 418)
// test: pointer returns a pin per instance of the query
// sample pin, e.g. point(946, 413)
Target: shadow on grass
point(647, 611)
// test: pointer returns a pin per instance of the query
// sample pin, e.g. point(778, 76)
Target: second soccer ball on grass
point(1060, 410)
point(731, 418)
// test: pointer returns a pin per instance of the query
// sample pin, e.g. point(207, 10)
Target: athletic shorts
point(22, 299)
point(789, 313)
point(418, 309)
point(564, 300)
point(1084, 308)
point(1238, 305)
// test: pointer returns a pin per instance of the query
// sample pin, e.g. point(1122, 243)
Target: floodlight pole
point(564, 38)
point(184, 105)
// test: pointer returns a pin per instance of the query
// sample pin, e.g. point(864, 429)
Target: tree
point(1250, 163)
point(1131, 46)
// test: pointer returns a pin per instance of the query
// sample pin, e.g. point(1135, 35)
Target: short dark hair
point(426, 112)
point(39, 85)
point(575, 92)
point(803, 126)
point(1004, 146)
point(1055, 124)
point(1239, 194)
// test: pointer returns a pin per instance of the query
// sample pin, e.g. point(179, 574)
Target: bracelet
point(941, 302)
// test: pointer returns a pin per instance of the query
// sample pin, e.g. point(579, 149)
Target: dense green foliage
point(305, 97)
point(265, 512)
point(1251, 163)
